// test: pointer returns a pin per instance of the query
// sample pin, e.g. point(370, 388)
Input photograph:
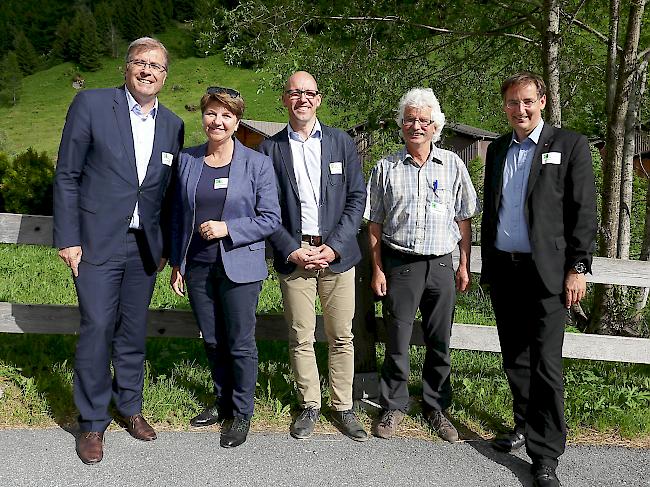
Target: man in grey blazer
point(118, 150)
point(322, 198)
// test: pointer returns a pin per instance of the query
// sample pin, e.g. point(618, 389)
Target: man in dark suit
point(322, 198)
point(118, 150)
point(537, 239)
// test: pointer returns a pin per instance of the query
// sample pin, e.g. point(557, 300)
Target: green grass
point(36, 370)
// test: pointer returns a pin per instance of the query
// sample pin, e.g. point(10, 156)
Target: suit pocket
point(335, 179)
point(257, 245)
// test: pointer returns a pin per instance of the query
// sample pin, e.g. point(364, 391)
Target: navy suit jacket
point(560, 206)
point(343, 199)
point(96, 182)
point(251, 211)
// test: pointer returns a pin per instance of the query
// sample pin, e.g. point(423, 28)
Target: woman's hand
point(213, 229)
point(177, 282)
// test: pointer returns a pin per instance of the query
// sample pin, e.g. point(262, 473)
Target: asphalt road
point(47, 458)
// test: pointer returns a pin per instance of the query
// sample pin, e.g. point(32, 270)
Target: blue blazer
point(250, 211)
point(96, 182)
point(343, 199)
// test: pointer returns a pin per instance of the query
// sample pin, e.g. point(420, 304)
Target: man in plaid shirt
point(421, 200)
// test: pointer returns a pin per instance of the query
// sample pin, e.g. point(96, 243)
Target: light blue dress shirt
point(512, 229)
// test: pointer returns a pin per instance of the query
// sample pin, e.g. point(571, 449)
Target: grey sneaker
point(441, 425)
point(303, 427)
point(388, 423)
point(349, 425)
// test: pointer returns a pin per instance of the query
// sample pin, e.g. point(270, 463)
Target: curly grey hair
point(423, 98)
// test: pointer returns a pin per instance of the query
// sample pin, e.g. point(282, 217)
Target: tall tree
point(10, 79)
point(27, 56)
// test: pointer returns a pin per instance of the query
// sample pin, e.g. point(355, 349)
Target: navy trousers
point(426, 282)
point(530, 322)
point(113, 301)
point(225, 313)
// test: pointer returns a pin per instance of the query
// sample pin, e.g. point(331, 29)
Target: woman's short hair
point(422, 98)
point(235, 104)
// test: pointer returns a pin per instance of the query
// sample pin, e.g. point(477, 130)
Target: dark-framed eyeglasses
point(528, 102)
point(217, 90)
point(143, 65)
point(296, 94)
point(424, 122)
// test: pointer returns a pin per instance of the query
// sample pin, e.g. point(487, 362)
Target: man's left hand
point(575, 287)
point(321, 258)
point(463, 278)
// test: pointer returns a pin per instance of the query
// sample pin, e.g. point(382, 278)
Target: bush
point(26, 183)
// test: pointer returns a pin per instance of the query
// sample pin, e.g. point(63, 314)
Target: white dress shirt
point(306, 156)
point(143, 128)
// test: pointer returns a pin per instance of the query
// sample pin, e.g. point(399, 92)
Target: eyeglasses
point(143, 65)
point(424, 122)
point(528, 102)
point(217, 90)
point(296, 94)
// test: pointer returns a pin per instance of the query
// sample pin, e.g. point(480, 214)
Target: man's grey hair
point(422, 98)
point(146, 44)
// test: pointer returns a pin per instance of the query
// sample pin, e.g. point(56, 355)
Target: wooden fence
point(368, 329)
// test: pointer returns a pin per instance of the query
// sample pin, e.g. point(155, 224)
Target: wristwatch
point(580, 267)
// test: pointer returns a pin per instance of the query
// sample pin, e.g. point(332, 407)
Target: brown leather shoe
point(90, 447)
point(138, 427)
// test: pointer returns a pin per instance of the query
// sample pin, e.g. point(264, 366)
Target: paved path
point(47, 458)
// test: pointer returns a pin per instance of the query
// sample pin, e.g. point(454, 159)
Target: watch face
point(580, 268)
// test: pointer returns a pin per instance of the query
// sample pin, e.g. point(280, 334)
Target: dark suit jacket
point(343, 199)
point(96, 182)
point(250, 211)
point(560, 206)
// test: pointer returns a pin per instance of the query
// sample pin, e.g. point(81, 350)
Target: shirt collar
point(406, 157)
point(316, 132)
point(135, 107)
point(533, 136)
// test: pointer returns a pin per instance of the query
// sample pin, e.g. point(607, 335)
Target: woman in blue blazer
point(225, 205)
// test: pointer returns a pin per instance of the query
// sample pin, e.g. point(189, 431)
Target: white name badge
point(438, 207)
point(552, 158)
point(221, 183)
point(336, 168)
point(167, 158)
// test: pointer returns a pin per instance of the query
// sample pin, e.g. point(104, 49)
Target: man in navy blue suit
point(322, 198)
point(118, 150)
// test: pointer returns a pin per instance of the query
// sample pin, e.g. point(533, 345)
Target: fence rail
point(56, 319)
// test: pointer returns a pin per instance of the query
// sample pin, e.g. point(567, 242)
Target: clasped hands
point(313, 258)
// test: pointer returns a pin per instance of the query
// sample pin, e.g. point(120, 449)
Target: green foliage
point(26, 184)
point(10, 79)
point(27, 55)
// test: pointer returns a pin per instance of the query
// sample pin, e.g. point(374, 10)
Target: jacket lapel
point(155, 161)
point(285, 152)
point(545, 139)
point(121, 109)
point(497, 173)
point(235, 180)
point(195, 174)
point(325, 159)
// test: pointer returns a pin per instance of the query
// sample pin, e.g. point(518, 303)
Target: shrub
point(26, 183)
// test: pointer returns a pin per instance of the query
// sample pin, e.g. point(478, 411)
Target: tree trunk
point(551, 61)
point(602, 316)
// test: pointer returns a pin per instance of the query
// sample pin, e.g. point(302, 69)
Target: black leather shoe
point(303, 427)
point(544, 476)
point(207, 417)
point(236, 434)
point(509, 442)
point(349, 425)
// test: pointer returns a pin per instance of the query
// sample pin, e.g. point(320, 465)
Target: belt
point(515, 256)
point(314, 240)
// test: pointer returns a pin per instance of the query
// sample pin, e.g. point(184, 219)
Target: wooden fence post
point(364, 327)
